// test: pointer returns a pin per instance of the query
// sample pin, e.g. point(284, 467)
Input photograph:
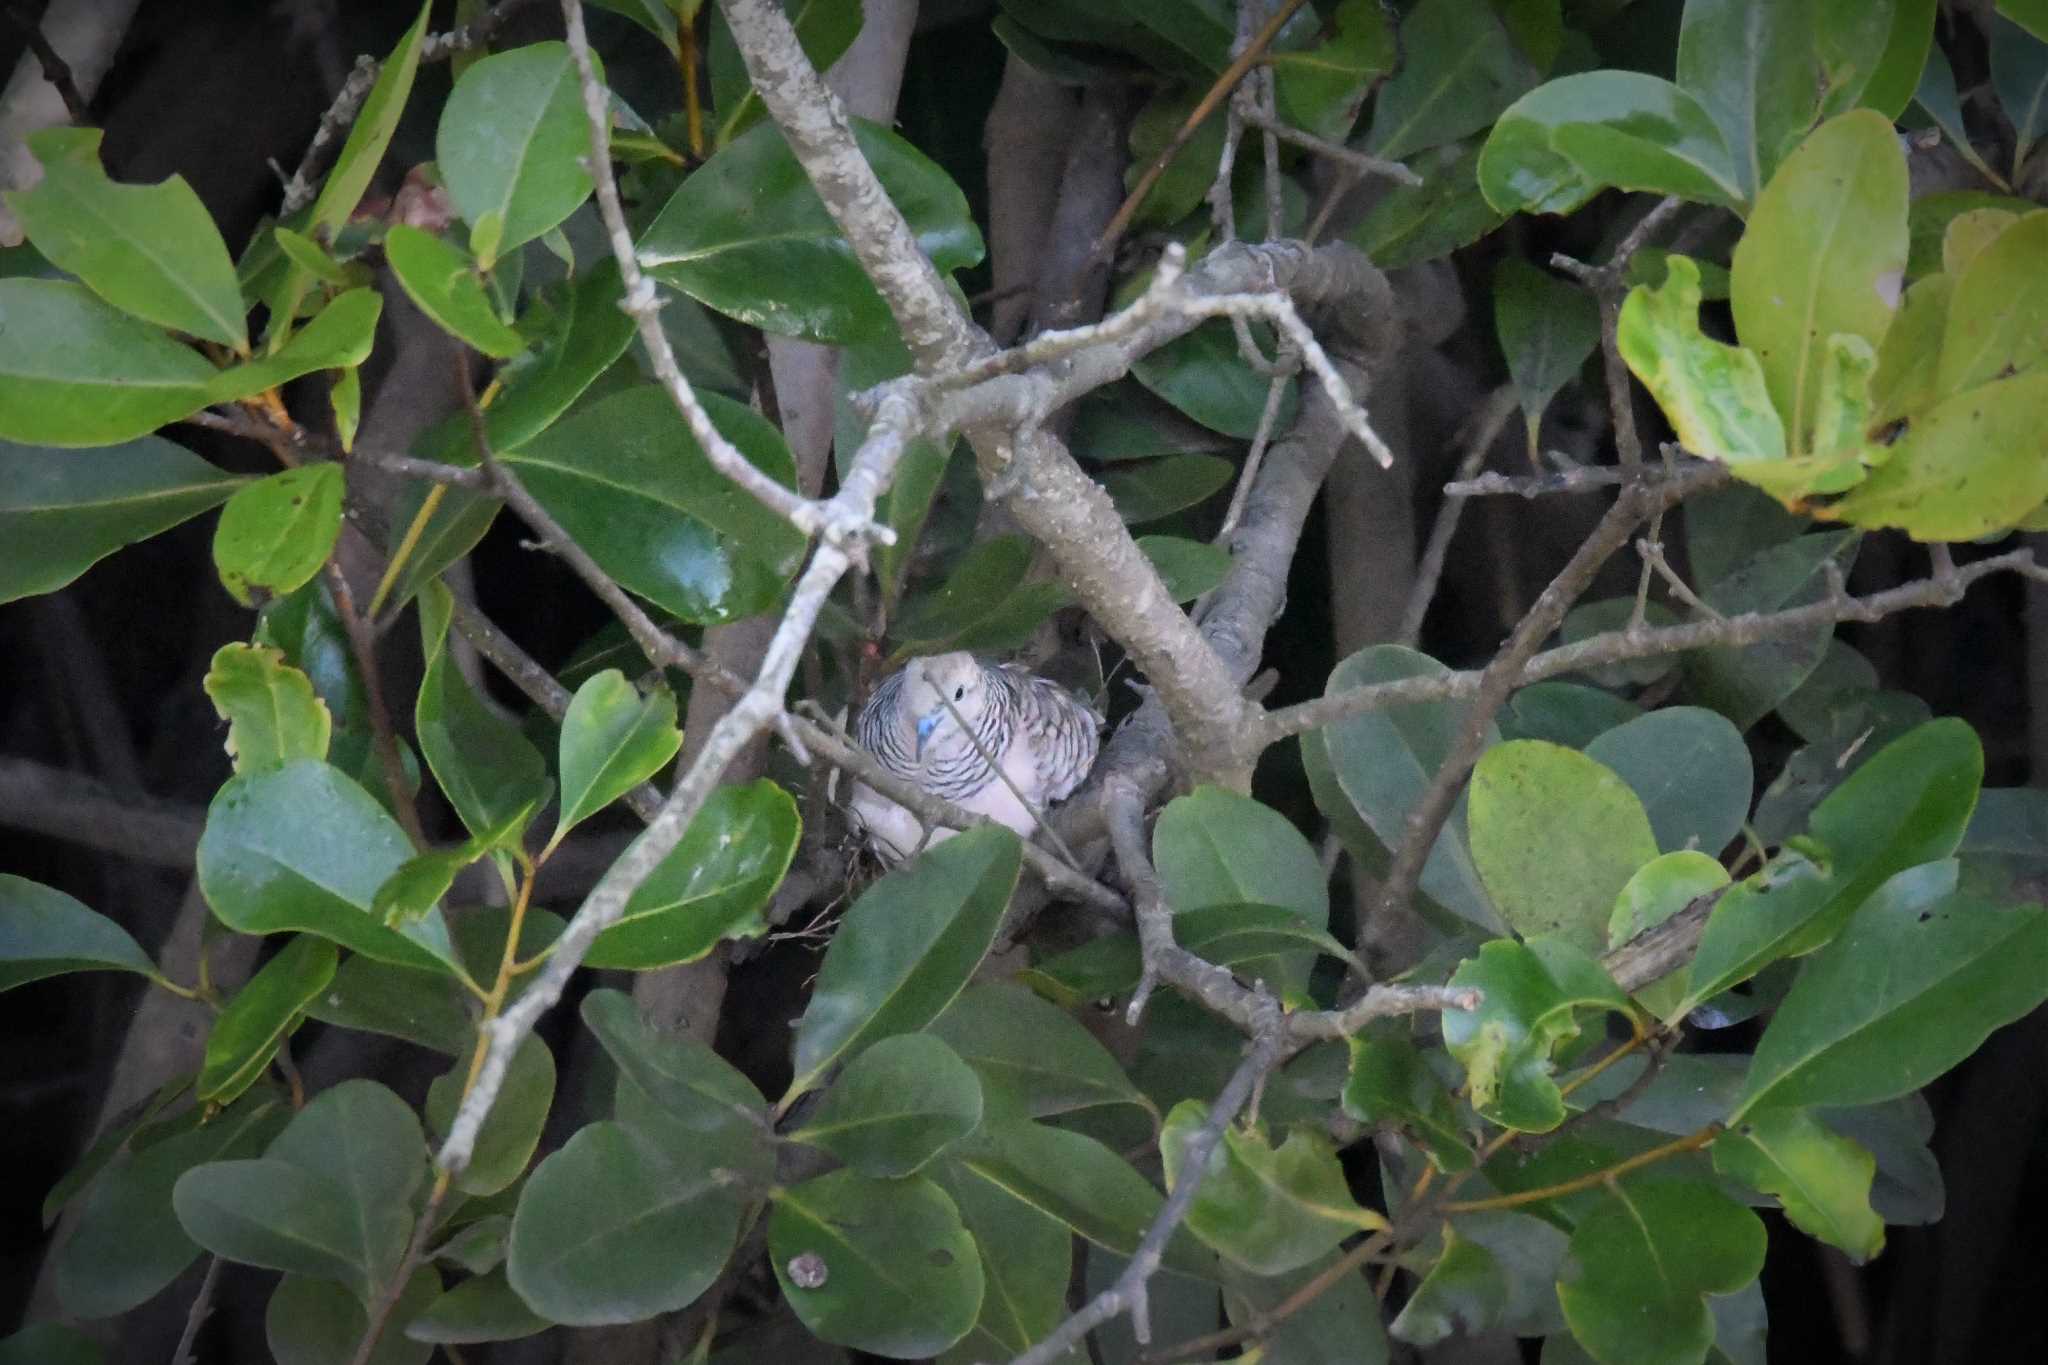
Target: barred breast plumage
point(941, 720)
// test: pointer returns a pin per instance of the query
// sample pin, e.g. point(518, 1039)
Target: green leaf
point(1565, 141)
point(1463, 1292)
point(49, 1343)
point(371, 133)
point(75, 372)
point(1459, 70)
point(273, 1214)
point(1202, 374)
point(1189, 568)
point(1340, 1326)
point(581, 336)
point(1567, 713)
point(44, 932)
point(261, 1015)
point(656, 16)
point(513, 141)
point(1030, 1054)
point(150, 250)
point(302, 847)
point(1146, 490)
point(896, 1106)
point(629, 483)
point(1078, 1181)
point(1824, 255)
point(1821, 1178)
point(1970, 466)
point(421, 1007)
point(1370, 770)
point(1268, 1209)
point(685, 1079)
point(1918, 980)
point(2019, 73)
point(273, 714)
point(443, 280)
point(63, 512)
point(1643, 1263)
point(1907, 806)
point(985, 575)
point(137, 1124)
point(1415, 223)
point(1991, 331)
point(618, 1226)
point(338, 337)
point(1758, 70)
point(1745, 683)
point(482, 1308)
point(1179, 188)
point(1216, 848)
point(1556, 835)
point(489, 771)
point(317, 1322)
point(1027, 1258)
point(275, 533)
point(747, 235)
point(1547, 329)
point(368, 1143)
point(613, 739)
point(1390, 1081)
point(881, 1265)
point(713, 886)
point(1230, 934)
point(1320, 88)
point(1533, 994)
point(511, 1130)
point(126, 1244)
point(1660, 889)
point(906, 948)
point(1713, 394)
point(1906, 54)
point(1690, 769)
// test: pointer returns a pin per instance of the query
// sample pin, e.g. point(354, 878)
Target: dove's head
point(935, 687)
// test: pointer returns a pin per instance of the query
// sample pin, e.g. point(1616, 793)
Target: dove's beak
point(925, 725)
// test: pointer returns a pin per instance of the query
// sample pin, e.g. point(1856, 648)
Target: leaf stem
point(1691, 1142)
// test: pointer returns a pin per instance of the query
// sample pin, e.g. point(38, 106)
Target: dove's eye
point(959, 692)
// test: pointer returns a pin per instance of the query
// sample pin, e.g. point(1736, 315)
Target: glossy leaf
point(127, 1244)
point(1320, 88)
point(1372, 769)
point(443, 281)
point(1146, 490)
point(76, 372)
point(1745, 683)
point(1915, 983)
point(1822, 1179)
point(317, 1322)
point(2019, 73)
point(368, 1143)
point(261, 1015)
point(585, 332)
point(1216, 848)
point(1534, 993)
point(489, 771)
point(1556, 835)
point(1567, 713)
point(618, 1225)
point(906, 948)
point(275, 534)
point(900, 1274)
point(681, 1077)
point(426, 1008)
point(481, 1308)
point(1269, 1209)
point(1907, 806)
point(1030, 1054)
point(1390, 1082)
point(629, 483)
point(1189, 568)
point(371, 132)
point(1690, 769)
point(1078, 1181)
point(511, 1131)
point(1340, 1326)
point(613, 739)
point(61, 512)
point(150, 250)
point(1547, 330)
point(895, 1107)
point(1202, 374)
point(273, 1214)
point(985, 575)
point(1229, 934)
point(273, 714)
point(1824, 255)
point(1643, 1263)
point(1027, 1258)
point(1568, 139)
point(1463, 1292)
point(1415, 223)
point(713, 886)
point(1713, 394)
point(512, 144)
point(1990, 332)
point(1458, 70)
point(1971, 466)
point(747, 235)
point(302, 847)
point(44, 932)
point(824, 29)
point(338, 337)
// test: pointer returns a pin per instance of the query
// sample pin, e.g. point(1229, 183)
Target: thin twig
point(387, 1298)
point(1652, 552)
point(1360, 163)
point(1484, 430)
point(55, 70)
point(196, 1316)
